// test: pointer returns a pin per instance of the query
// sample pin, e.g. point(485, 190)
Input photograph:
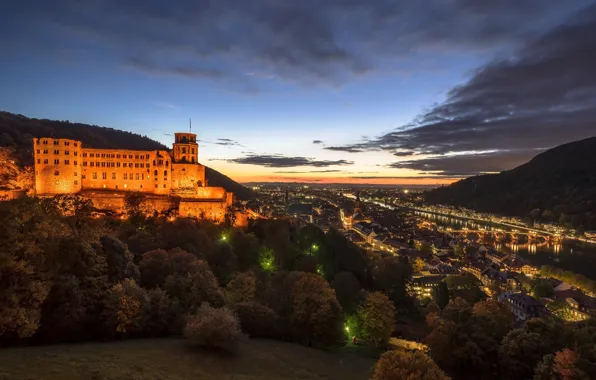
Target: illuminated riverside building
point(171, 180)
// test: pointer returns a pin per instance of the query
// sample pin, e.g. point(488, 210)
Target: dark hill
point(18, 130)
point(558, 185)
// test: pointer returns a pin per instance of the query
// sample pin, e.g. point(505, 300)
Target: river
point(571, 255)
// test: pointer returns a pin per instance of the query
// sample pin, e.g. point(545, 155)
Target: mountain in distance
point(558, 185)
point(18, 131)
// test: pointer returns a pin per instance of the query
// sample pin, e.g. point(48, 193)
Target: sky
point(327, 91)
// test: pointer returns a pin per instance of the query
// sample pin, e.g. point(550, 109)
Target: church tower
point(186, 149)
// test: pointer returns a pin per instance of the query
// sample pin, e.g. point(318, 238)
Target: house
point(423, 286)
point(523, 306)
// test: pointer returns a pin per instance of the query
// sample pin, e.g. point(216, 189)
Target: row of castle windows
point(116, 164)
point(56, 142)
point(57, 162)
point(137, 176)
point(192, 150)
point(112, 155)
point(66, 152)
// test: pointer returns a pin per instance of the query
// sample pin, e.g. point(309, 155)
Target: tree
point(401, 364)
point(440, 295)
point(75, 208)
point(134, 203)
point(241, 288)
point(316, 314)
point(222, 261)
point(119, 259)
point(563, 365)
point(123, 306)
point(543, 289)
point(519, 353)
point(266, 260)
point(389, 275)
point(213, 327)
point(195, 288)
point(257, 320)
point(418, 265)
point(378, 318)
point(159, 314)
point(158, 264)
point(246, 248)
point(347, 288)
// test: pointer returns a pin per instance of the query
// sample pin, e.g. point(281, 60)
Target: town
point(471, 260)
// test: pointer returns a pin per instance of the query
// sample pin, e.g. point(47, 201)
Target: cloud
point(167, 105)
point(541, 96)
point(308, 41)
point(279, 161)
point(227, 142)
point(317, 141)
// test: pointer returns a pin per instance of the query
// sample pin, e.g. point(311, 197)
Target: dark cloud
point(227, 142)
point(349, 148)
point(307, 41)
point(317, 141)
point(279, 161)
point(465, 165)
point(540, 97)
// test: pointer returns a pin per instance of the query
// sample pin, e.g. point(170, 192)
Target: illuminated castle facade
point(171, 180)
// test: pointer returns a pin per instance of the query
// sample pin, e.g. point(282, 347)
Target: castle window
point(117, 164)
point(125, 176)
point(91, 155)
point(45, 151)
point(56, 142)
point(56, 162)
point(155, 171)
point(137, 176)
point(192, 160)
point(66, 143)
point(130, 164)
point(125, 186)
point(92, 164)
point(104, 175)
point(76, 174)
point(38, 161)
point(147, 157)
point(103, 155)
point(45, 161)
point(165, 173)
point(141, 186)
point(164, 185)
point(130, 156)
point(142, 165)
point(84, 154)
point(136, 156)
point(38, 151)
point(156, 185)
point(76, 182)
point(75, 144)
point(167, 163)
point(153, 162)
point(112, 164)
point(103, 164)
point(67, 152)
point(183, 150)
point(76, 153)
point(113, 175)
point(56, 172)
point(136, 164)
point(130, 175)
point(45, 142)
point(94, 175)
point(75, 163)
point(193, 150)
point(112, 155)
point(160, 162)
point(66, 162)
point(83, 176)
point(56, 152)
point(117, 156)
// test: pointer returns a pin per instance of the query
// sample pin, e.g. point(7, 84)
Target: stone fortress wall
point(169, 179)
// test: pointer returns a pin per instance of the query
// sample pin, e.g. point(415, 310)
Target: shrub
point(257, 320)
point(213, 327)
point(378, 318)
point(400, 364)
point(241, 288)
point(123, 306)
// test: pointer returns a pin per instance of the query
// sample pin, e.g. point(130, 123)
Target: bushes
point(257, 320)
point(241, 288)
point(123, 306)
point(213, 327)
point(400, 364)
point(378, 318)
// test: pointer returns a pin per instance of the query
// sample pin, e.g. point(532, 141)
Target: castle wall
point(58, 165)
point(187, 176)
point(201, 209)
point(115, 201)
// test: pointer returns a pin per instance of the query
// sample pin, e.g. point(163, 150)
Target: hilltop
point(558, 185)
point(18, 130)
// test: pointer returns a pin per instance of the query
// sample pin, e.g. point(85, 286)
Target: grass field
point(172, 358)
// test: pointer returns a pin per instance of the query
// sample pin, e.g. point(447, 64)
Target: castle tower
point(358, 206)
point(58, 166)
point(186, 149)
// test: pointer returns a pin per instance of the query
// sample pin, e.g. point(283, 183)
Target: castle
point(170, 181)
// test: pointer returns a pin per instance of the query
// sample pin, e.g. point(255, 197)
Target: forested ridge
point(558, 185)
point(17, 131)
